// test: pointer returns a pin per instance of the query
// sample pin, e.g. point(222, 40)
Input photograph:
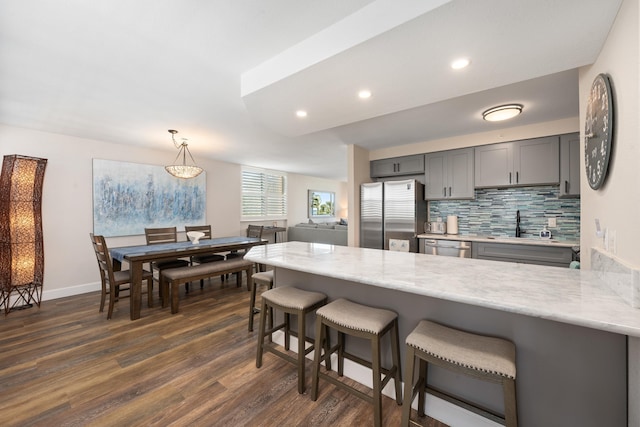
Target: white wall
point(70, 265)
point(617, 203)
point(359, 173)
point(298, 187)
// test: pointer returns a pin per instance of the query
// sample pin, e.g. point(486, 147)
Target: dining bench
point(172, 278)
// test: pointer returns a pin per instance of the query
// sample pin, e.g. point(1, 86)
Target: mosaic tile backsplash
point(493, 212)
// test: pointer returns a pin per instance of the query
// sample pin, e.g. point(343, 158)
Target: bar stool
point(358, 320)
point(486, 358)
point(262, 278)
point(295, 301)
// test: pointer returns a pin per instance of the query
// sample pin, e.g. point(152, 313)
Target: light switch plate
point(552, 222)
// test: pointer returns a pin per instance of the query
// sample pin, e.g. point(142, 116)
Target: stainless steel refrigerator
point(391, 209)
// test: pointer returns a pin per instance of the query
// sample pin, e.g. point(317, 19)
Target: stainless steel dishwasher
point(456, 248)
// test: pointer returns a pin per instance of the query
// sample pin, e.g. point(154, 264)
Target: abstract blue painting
point(127, 197)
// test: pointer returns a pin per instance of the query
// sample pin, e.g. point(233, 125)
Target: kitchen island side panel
point(567, 375)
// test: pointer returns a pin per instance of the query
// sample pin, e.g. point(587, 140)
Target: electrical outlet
point(552, 222)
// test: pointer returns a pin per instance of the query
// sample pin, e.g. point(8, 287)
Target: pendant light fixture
point(184, 170)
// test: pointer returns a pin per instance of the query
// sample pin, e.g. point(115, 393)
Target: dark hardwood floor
point(65, 364)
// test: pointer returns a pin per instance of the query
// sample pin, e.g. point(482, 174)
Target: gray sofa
point(334, 234)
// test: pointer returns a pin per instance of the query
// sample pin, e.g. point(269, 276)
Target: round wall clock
point(598, 131)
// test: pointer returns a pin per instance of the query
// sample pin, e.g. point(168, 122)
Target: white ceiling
point(229, 75)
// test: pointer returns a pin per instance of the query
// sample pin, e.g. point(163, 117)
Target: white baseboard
point(64, 292)
point(70, 291)
point(441, 410)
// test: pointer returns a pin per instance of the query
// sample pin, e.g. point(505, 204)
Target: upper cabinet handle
point(517, 177)
point(509, 177)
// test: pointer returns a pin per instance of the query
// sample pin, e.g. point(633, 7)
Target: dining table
point(137, 256)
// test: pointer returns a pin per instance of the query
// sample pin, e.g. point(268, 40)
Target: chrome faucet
point(518, 231)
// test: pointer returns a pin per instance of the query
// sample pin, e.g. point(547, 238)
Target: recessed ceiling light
point(364, 94)
point(502, 112)
point(301, 113)
point(460, 63)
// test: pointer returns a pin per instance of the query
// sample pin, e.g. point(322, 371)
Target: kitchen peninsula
point(569, 328)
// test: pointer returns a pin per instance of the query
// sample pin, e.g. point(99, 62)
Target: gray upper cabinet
point(397, 166)
point(527, 162)
point(494, 165)
point(449, 175)
point(570, 165)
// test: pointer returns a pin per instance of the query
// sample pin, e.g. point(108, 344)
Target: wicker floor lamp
point(21, 247)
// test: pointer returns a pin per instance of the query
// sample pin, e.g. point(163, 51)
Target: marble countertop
point(497, 239)
point(565, 295)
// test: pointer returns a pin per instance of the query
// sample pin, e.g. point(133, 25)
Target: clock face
point(598, 131)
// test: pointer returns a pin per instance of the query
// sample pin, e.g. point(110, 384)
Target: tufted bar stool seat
point(289, 300)
point(487, 358)
point(357, 320)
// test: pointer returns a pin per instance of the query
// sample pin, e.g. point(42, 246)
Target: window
point(264, 194)
point(322, 204)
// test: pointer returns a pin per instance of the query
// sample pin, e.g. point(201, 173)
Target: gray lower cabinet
point(528, 162)
point(397, 166)
point(449, 175)
point(526, 254)
point(570, 165)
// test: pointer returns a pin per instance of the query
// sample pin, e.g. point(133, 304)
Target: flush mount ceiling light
point(460, 63)
point(364, 94)
point(184, 170)
point(301, 113)
point(502, 112)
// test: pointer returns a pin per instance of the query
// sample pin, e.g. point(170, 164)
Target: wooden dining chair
point(252, 231)
point(206, 258)
point(113, 282)
point(157, 236)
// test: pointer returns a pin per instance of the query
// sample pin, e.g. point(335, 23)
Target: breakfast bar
point(572, 332)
